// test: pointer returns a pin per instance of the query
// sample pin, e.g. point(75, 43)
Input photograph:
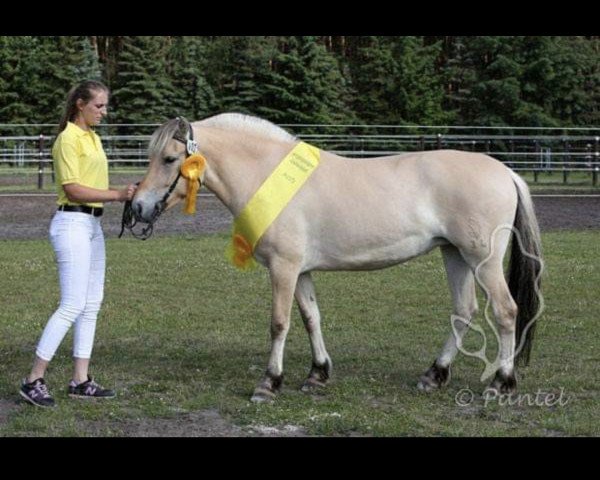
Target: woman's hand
point(128, 192)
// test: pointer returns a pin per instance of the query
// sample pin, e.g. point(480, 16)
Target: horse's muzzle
point(145, 213)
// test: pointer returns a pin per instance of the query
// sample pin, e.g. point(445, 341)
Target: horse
point(354, 214)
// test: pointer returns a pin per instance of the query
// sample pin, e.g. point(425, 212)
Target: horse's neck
point(238, 164)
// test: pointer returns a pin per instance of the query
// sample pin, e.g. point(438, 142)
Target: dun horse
point(336, 213)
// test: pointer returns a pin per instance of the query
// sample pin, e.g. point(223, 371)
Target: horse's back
point(418, 178)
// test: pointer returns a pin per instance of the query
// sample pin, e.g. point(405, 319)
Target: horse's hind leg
point(489, 273)
point(462, 288)
point(491, 279)
point(309, 310)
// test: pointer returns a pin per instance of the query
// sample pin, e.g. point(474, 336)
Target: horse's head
point(174, 171)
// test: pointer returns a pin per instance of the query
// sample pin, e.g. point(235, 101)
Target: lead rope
point(128, 221)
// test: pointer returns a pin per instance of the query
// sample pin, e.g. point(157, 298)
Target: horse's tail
point(524, 271)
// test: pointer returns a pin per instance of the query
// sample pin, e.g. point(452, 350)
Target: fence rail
point(537, 150)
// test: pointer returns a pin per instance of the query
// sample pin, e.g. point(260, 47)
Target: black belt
point(95, 211)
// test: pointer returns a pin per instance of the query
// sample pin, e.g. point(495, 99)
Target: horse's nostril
point(158, 208)
point(137, 209)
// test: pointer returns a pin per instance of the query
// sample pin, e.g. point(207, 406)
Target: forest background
point(548, 81)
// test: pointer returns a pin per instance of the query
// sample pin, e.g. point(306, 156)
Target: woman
point(78, 241)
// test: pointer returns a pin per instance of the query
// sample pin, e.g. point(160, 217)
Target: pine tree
point(417, 93)
point(243, 69)
point(142, 89)
point(20, 79)
point(193, 97)
point(372, 68)
point(483, 75)
point(306, 85)
point(572, 91)
point(69, 60)
point(396, 82)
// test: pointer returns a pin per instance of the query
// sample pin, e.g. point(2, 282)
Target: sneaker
point(89, 389)
point(36, 393)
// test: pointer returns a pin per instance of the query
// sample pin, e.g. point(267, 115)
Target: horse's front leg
point(309, 310)
point(284, 276)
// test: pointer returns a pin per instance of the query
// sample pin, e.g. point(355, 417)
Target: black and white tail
point(525, 270)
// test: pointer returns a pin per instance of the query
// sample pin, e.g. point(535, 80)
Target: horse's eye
point(170, 159)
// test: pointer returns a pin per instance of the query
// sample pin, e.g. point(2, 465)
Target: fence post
point(538, 154)
point(41, 163)
point(439, 141)
point(422, 143)
point(596, 162)
point(568, 160)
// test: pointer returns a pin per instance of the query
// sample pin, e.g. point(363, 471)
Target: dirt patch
point(568, 213)
point(6, 408)
point(205, 423)
point(29, 217)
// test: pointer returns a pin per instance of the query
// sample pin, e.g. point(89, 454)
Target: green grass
point(181, 331)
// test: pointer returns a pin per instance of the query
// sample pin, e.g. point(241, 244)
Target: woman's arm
point(81, 194)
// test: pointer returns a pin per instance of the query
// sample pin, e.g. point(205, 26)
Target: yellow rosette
point(192, 169)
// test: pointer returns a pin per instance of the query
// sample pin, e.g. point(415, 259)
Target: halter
point(128, 220)
point(191, 147)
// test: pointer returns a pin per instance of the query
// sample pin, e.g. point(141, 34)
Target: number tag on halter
point(192, 147)
point(192, 170)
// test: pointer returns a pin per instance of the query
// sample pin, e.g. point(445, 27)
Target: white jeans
point(78, 243)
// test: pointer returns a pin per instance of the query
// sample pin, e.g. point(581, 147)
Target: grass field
point(182, 332)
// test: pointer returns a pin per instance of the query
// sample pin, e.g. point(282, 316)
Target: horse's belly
point(372, 256)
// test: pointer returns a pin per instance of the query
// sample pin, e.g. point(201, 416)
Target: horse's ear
point(182, 129)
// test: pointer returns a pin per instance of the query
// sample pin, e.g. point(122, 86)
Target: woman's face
point(92, 112)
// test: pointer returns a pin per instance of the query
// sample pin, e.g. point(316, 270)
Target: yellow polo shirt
point(79, 158)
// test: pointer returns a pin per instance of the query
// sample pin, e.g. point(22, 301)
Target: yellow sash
point(269, 201)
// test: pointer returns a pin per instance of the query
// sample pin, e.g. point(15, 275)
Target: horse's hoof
point(318, 377)
point(312, 385)
point(262, 395)
point(434, 378)
point(426, 385)
point(502, 384)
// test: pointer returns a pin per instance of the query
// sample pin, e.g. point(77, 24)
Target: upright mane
point(238, 121)
point(162, 136)
point(250, 124)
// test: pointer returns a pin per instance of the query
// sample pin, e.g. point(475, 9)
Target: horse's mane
point(162, 136)
point(248, 123)
point(226, 121)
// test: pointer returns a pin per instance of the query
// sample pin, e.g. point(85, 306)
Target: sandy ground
point(29, 217)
